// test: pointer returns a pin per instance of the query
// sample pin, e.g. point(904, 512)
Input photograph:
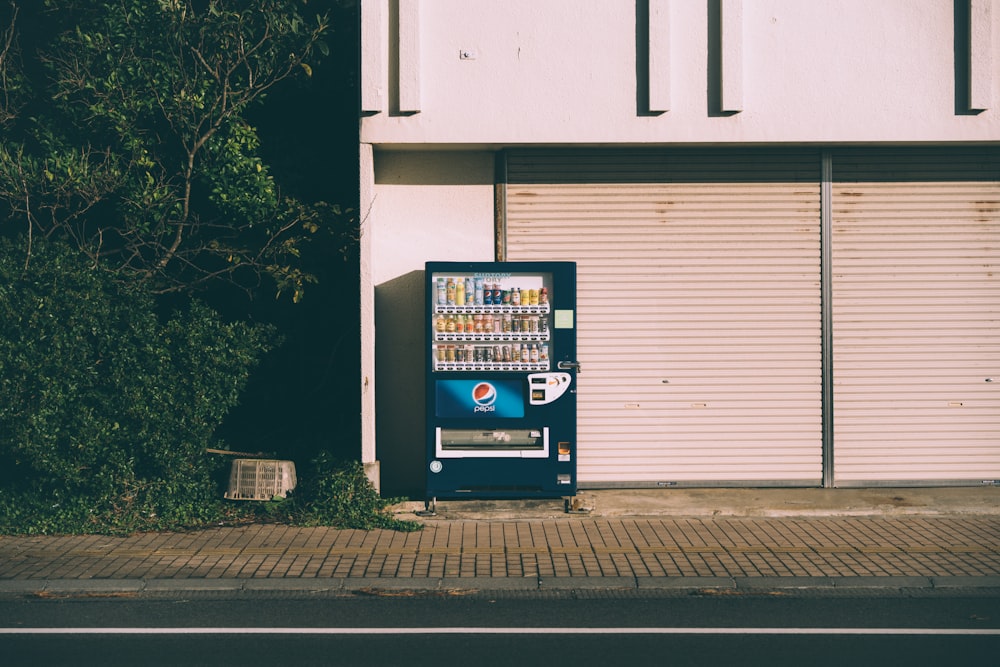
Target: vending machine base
point(518, 461)
point(571, 505)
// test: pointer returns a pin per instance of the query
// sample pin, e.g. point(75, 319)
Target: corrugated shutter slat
point(916, 303)
point(699, 307)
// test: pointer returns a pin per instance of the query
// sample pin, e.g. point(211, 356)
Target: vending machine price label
point(563, 319)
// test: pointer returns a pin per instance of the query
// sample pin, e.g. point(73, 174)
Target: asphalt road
point(480, 629)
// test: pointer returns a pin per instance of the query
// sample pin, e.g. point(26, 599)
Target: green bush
point(106, 408)
point(337, 493)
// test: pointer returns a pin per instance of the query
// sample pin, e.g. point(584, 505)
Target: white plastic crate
point(260, 479)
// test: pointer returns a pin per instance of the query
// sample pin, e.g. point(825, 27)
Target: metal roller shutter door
point(699, 316)
point(916, 306)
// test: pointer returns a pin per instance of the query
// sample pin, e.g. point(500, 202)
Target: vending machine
point(501, 380)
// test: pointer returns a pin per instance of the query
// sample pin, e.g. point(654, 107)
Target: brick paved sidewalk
point(641, 549)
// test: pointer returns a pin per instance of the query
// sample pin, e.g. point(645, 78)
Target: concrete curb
point(387, 585)
point(972, 500)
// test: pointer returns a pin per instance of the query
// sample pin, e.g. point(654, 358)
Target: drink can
point(533, 297)
point(450, 292)
point(515, 297)
point(525, 354)
point(543, 324)
point(543, 352)
point(487, 294)
point(543, 296)
point(505, 297)
point(497, 294)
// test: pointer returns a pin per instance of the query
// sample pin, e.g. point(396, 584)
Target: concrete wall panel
point(510, 72)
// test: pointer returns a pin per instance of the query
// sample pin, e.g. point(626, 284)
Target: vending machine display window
point(491, 322)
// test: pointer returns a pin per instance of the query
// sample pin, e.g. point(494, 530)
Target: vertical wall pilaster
point(409, 56)
point(981, 61)
point(366, 158)
point(659, 55)
point(373, 55)
point(731, 58)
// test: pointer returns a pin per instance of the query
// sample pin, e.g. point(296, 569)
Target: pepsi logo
point(484, 394)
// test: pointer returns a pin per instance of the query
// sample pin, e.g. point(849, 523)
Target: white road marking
point(501, 631)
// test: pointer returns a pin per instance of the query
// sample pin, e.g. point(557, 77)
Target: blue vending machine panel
point(501, 379)
point(479, 399)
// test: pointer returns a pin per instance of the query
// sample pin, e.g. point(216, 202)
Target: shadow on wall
point(399, 382)
point(962, 65)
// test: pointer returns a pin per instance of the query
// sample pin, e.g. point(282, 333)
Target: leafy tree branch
point(144, 156)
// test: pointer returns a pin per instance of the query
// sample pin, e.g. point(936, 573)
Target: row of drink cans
point(477, 292)
point(488, 323)
point(508, 353)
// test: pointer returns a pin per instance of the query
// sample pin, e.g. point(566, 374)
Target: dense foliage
point(106, 408)
point(179, 147)
point(127, 135)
